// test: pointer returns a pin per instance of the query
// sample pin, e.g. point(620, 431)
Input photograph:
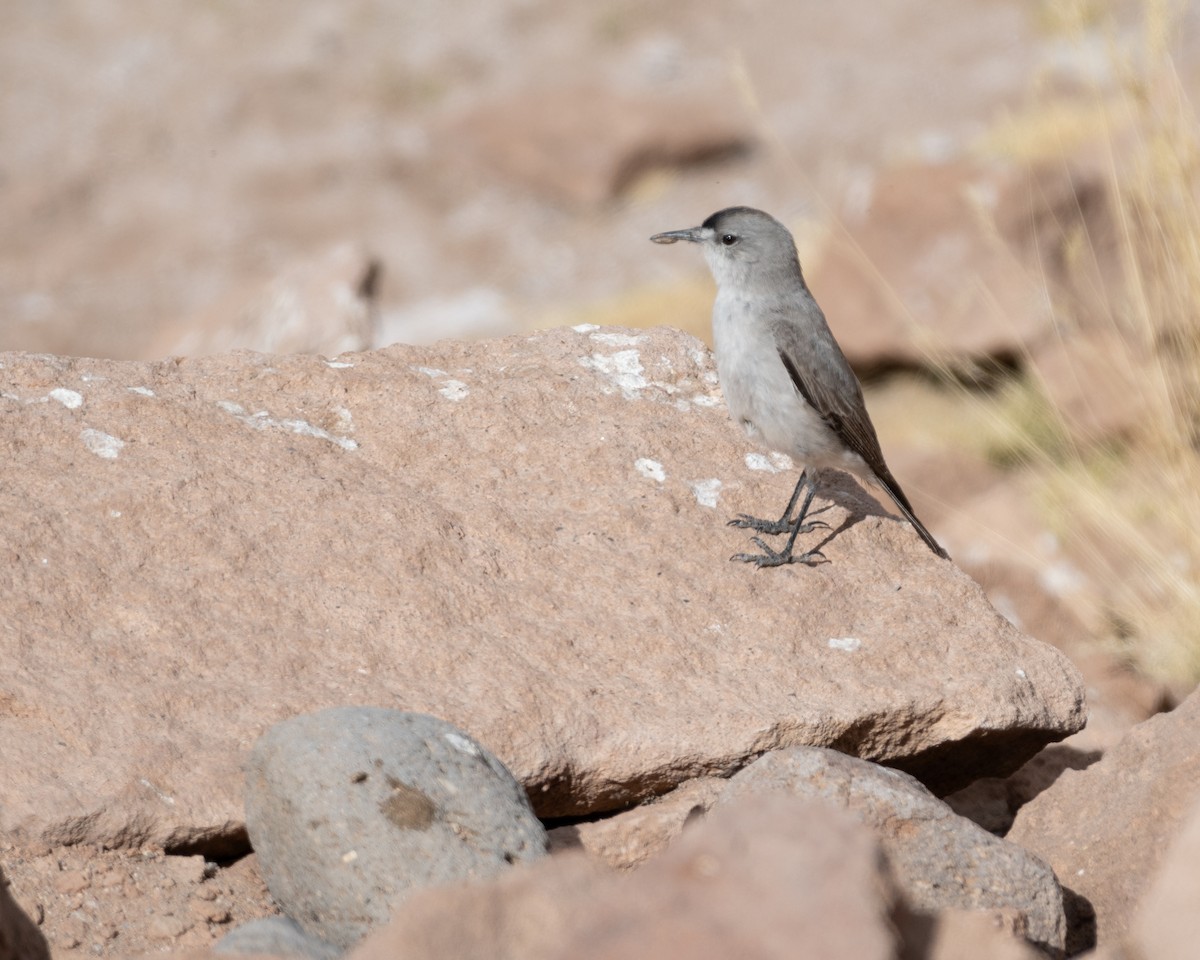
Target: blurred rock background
point(502, 162)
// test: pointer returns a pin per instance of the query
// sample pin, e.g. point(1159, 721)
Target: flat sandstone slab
point(525, 537)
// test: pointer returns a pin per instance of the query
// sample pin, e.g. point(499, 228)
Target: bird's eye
point(729, 239)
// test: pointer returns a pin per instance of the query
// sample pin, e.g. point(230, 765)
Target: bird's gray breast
point(759, 390)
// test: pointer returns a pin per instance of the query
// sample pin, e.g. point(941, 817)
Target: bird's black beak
point(694, 235)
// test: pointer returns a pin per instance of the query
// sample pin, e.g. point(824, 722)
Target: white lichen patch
point(848, 644)
point(338, 364)
point(154, 789)
point(585, 327)
point(70, 399)
point(263, 421)
point(618, 339)
point(707, 492)
point(141, 391)
point(623, 369)
point(650, 469)
point(452, 389)
point(661, 377)
point(101, 443)
point(773, 462)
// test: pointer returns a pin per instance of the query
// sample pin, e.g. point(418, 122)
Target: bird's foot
point(777, 558)
point(744, 521)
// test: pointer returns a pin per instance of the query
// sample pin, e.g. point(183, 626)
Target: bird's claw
point(744, 521)
point(777, 558)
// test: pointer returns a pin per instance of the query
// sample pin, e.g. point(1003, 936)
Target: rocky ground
point(199, 549)
point(524, 537)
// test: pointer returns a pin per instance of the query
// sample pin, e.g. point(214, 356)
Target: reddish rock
point(1118, 697)
point(325, 305)
point(965, 935)
point(525, 537)
point(1105, 830)
point(1166, 925)
point(585, 145)
point(630, 838)
point(754, 880)
point(1098, 382)
point(1062, 221)
point(918, 278)
point(940, 861)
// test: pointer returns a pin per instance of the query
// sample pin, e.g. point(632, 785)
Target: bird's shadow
point(842, 490)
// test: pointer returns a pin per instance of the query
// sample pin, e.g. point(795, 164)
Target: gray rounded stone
point(280, 936)
point(940, 860)
point(352, 808)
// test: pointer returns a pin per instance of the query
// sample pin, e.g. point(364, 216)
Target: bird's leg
point(777, 558)
point(784, 524)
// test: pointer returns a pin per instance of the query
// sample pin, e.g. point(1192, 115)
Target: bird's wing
point(822, 374)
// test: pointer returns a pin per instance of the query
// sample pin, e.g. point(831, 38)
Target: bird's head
point(743, 247)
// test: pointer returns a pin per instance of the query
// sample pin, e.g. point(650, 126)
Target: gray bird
point(785, 378)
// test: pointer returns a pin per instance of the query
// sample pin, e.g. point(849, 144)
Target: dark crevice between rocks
point(564, 798)
point(639, 794)
point(222, 846)
point(954, 764)
point(1081, 922)
point(553, 823)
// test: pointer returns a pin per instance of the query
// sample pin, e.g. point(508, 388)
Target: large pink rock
point(525, 537)
point(1105, 830)
point(755, 880)
point(1166, 924)
point(940, 861)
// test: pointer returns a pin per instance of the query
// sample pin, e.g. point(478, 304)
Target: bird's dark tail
point(888, 482)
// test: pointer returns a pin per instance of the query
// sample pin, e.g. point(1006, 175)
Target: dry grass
point(1131, 511)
